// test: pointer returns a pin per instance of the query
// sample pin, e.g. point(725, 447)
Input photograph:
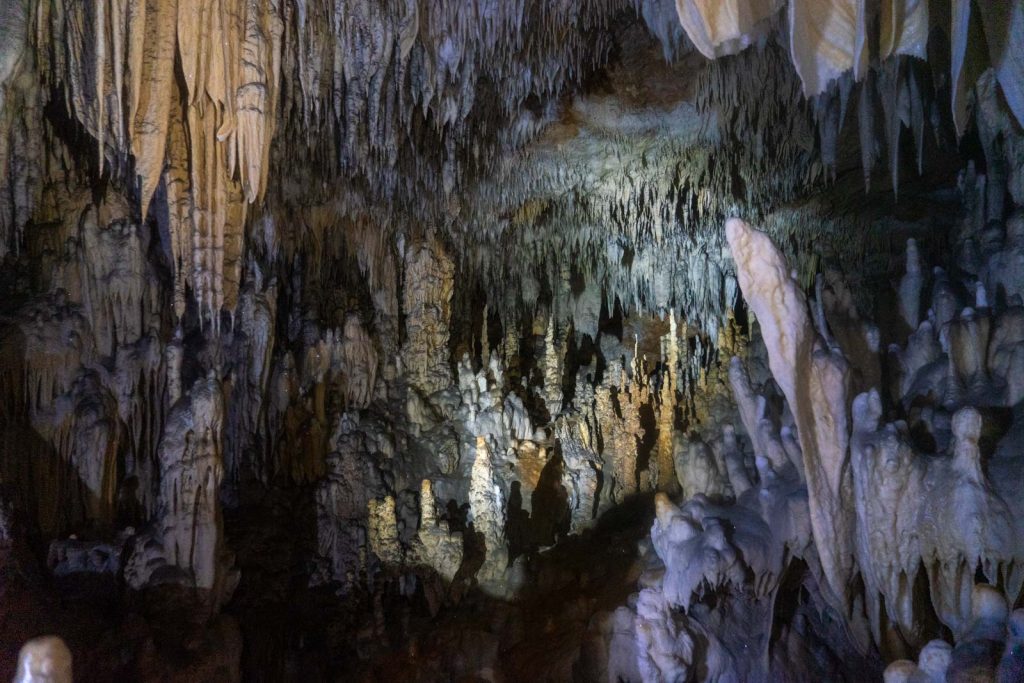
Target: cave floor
point(296, 633)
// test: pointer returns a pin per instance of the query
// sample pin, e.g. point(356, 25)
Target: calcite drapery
point(832, 43)
point(722, 28)
point(826, 39)
point(904, 28)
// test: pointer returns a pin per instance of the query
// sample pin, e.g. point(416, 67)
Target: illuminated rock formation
point(814, 380)
point(45, 658)
point(422, 340)
point(192, 468)
point(437, 548)
point(908, 514)
point(487, 507)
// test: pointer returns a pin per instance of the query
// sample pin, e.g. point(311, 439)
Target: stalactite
point(896, 105)
point(179, 222)
point(230, 54)
point(254, 333)
point(140, 376)
point(814, 381)
point(152, 58)
point(485, 344)
point(118, 294)
point(242, 83)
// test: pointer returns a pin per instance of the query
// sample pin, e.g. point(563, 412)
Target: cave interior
point(654, 341)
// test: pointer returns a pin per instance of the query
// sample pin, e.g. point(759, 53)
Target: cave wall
point(378, 321)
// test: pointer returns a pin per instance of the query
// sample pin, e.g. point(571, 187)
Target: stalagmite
point(665, 650)
point(666, 411)
point(553, 353)
point(44, 659)
point(617, 411)
point(191, 470)
point(883, 464)
point(751, 409)
point(487, 506)
point(579, 476)
point(438, 547)
point(910, 287)
point(343, 500)
point(383, 531)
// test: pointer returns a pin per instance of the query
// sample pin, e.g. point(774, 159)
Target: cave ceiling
point(599, 130)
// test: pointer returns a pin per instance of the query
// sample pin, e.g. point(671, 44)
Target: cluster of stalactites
point(207, 140)
point(828, 38)
point(414, 70)
point(646, 233)
point(368, 75)
point(830, 44)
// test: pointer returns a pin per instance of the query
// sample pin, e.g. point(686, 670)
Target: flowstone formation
point(421, 340)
